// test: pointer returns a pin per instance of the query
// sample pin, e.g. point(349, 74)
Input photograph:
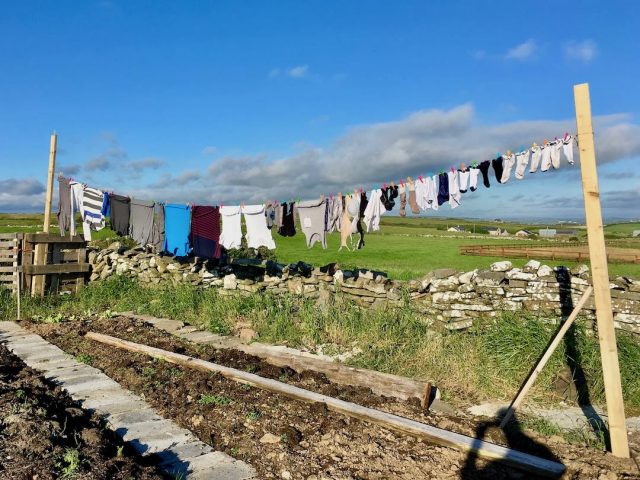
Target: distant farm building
point(523, 233)
point(547, 232)
point(636, 233)
point(456, 228)
point(497, 232)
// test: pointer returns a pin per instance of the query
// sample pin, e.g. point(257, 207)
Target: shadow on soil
point(517, 440)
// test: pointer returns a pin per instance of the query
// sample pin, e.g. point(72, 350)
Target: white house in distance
point(636, 233)
point(547, 232)
point(455, 228)
point(523, 233)
point(497, 232)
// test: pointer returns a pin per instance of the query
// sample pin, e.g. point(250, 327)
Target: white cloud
point(274, 73)
point(147, 163)
point(19, 195)
point(299, 71)
point(421, 143)
point(522, 52)
point(584, 51)
point(209, 150)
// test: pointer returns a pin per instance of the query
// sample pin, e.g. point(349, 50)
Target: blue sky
point(222, 102)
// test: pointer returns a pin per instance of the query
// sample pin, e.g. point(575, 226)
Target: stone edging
point(130, 417)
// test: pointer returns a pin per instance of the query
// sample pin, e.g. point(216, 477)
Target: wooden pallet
point(9, 260)
point(66, 264)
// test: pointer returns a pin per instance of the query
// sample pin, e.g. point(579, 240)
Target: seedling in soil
point(253, 416)
point(84, 358)
point(148, 371)
point(219, 400)
point(120, 451)
point(70, 463)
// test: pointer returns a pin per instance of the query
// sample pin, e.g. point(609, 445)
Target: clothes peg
point(534, 145)
point(393, 185)
point(409, 180)
point(498, 155)
point(522, 148)
point(401, 182)
point(361, 190)
point(384, 185)
point(339, 194)
point(566, 135)
point(420, 177)
point(321, 197)
point(508, 153)
point(463, 167)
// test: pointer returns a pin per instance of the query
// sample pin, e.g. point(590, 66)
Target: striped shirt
point(92, 201)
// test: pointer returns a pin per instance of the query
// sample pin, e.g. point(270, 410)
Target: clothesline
point(181, 229)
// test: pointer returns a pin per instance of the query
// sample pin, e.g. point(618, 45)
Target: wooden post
point(600, 274)
point(545, 358)
point(40, 257)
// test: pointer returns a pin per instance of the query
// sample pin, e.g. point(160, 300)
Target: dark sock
point(484, 169)
point(443, 188)
point(497, 168)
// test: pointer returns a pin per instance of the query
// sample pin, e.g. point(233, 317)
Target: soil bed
point(44, 435)
point(283, 438)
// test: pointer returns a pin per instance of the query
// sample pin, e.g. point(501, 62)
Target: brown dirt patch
point(39, 423)
point(307, 441)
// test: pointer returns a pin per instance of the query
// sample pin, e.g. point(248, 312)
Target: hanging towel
point(64, 205)
point(508, 161)
point(141, 221)
point(76, 191)
point(258, 235)
point(231, 235)
point(177, 223)
point(92, 200)
point(312, 221)
point(567, 148)
point(205, 231)
point(454, 189)
point(158, 236)
point(522, 160)
point(374, 211)
point(443, 188)
point(120, 213)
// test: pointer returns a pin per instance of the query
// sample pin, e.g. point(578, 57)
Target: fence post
point(600, 274)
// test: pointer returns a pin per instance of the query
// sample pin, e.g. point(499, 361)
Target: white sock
point(536, 153)
point(522, 160)
point(464, 177)
point(473, 178)
point(454, 189)
point(507, 165)
point(567, 148)
point(545, 159)
point(555, 153)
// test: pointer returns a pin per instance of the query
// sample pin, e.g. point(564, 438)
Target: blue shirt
point(177, 225)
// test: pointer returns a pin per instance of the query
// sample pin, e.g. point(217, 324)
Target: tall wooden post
point(600, 274)
point(40, 255)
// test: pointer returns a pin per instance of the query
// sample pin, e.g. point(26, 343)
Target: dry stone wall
point(445, 295)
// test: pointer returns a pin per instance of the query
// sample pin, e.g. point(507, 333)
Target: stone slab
point(127, 414)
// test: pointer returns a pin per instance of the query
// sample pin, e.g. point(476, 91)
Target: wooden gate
point(9, 260)
point(66, 264)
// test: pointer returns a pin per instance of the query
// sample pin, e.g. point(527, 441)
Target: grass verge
point(488, 361)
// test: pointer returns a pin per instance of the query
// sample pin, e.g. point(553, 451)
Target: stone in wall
point(445, 295)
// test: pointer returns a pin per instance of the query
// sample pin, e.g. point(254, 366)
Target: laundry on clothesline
point(207, 231)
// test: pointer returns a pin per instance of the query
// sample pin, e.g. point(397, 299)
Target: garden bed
point(283, 438)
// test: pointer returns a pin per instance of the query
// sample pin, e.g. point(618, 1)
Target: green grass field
point(404, 248)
